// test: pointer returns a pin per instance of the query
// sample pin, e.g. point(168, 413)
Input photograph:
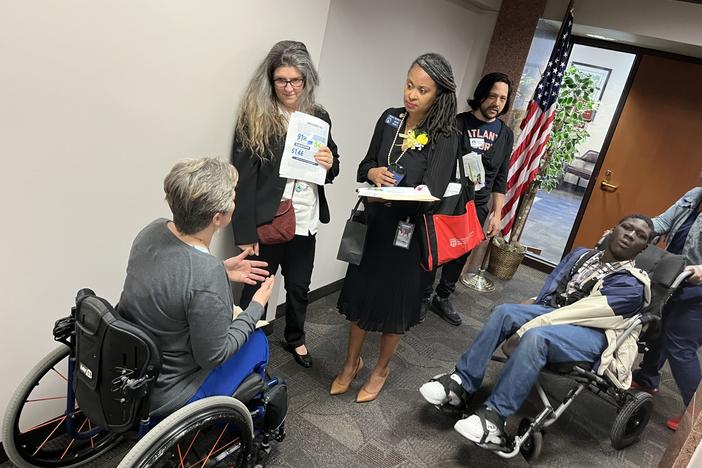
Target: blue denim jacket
point(670, 221)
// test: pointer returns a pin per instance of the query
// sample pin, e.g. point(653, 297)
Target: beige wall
point(368, 47)
point(671, 20)
point(99, 99)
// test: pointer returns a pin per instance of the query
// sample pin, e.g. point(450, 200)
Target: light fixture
point(600, 36)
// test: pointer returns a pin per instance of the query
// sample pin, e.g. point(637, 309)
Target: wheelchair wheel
point(35, 427)
point(631, 420)
point(531, 447)
point(214, 431)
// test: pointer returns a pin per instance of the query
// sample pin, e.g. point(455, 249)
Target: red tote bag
point(447, 237)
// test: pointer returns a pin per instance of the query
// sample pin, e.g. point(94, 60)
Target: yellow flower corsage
point(415, 139)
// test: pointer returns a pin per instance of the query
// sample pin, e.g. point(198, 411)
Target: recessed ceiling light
point(599, 36)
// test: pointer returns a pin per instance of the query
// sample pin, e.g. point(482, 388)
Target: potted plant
point(574, 110)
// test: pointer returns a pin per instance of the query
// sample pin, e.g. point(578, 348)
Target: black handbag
point(354, 237)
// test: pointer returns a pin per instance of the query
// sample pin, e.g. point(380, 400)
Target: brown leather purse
point(282, 228)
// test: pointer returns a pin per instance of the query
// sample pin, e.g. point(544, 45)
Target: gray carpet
point(400, 430)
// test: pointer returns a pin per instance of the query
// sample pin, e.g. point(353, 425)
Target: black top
point(434, 165)
point(495, 159)
point(260, 188)
point(678, 243)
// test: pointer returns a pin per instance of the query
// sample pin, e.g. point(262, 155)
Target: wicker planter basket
point(505, 258)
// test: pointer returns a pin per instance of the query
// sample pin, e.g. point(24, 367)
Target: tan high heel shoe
point(364, 396)
point(337, 388)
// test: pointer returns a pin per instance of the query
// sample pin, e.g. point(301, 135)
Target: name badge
point(403, 234)
point(392, 121)
point(477, 143)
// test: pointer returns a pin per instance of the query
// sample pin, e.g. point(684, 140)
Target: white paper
point(419, 193)
point(306, 134)
point(453, 188)
point(474, 169)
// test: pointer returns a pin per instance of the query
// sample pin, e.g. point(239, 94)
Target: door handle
point(606, 185)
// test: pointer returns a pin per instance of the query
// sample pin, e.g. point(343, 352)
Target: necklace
point(199, 245)
point(204, 244)
point(394, 140)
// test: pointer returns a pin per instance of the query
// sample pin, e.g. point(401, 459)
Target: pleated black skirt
point(384, 292)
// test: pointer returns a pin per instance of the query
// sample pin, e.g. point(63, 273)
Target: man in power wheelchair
point(585, 322)
point(172, 365)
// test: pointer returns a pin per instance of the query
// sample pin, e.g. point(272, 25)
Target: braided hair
point(441, 117)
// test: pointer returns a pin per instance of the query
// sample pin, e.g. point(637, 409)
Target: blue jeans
point(680, 339)
point(224, 379)
point(552, 343)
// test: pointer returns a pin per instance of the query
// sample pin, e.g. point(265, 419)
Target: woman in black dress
point(383, 294)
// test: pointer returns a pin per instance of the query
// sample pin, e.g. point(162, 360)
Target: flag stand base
point(478, 282)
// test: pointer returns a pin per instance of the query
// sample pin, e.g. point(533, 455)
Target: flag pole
point(528, 198)
point(478, 281)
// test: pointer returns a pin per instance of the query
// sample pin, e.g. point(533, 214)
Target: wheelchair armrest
point(248, 389)
point(649, 317)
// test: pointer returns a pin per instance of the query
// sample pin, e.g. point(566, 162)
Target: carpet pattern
point(400, 429)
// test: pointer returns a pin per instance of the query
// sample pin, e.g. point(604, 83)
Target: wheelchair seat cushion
point(252, 385)
point(567, 367)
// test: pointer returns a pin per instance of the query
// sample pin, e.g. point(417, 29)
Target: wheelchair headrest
point(662, 266)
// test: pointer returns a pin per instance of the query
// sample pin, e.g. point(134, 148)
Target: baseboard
point(315, 295)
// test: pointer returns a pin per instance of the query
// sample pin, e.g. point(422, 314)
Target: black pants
point(296, 259)
point(450, 271)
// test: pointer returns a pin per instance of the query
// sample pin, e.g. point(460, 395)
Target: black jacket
point(439, 155)
point(260, 188)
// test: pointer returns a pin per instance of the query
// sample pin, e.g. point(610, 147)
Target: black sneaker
point(423, 308)
point(443, 308)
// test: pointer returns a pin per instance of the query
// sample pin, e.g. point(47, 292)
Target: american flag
point(536, 126)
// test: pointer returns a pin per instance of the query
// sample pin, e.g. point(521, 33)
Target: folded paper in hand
point(418, 193)
point(306, 135)
point(475, 171)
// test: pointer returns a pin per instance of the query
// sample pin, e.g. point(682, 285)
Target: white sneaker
point(434, 392)
point(472, 429)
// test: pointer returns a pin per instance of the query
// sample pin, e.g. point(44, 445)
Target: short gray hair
point(197, 189)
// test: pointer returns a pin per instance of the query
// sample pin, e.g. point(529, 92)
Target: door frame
point(639, 53)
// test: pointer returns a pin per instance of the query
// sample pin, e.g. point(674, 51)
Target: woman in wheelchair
point(577, 317)
point(179, 292)
point(175, 365)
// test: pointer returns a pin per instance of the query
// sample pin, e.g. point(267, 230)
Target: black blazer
point(440, 155)
point(260, 188)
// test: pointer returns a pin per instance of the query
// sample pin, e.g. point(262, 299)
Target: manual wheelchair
point(92, 393)
point(633, 408)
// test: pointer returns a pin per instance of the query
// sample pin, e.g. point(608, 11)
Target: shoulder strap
point(563, 283)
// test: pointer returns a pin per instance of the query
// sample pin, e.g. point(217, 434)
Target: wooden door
point(655, 154)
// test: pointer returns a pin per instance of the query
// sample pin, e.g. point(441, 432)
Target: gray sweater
point(183, 297)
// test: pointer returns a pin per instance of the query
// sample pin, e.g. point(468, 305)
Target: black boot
point(443, 308)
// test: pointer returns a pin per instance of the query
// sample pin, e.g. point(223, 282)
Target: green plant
point(569, 126)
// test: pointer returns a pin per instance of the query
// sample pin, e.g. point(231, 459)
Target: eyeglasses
point(282, 82)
